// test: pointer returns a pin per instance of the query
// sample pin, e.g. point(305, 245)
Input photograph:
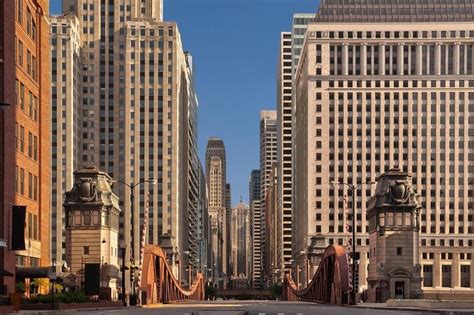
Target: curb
point(412, 309)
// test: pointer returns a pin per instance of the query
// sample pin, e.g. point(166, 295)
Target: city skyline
point(156, 151)
point(244, 69)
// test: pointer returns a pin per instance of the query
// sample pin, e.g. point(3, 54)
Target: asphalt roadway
point(249, 308)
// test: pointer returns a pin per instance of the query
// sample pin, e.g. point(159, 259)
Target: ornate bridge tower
point(92, 226)
point(394, 268)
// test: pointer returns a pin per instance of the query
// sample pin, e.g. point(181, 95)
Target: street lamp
point(354, 218)
point(123, 247)
point(132, 187)
point(306, 262)
point(297, 273)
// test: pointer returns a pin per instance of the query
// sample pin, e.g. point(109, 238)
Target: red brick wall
point(41, 128)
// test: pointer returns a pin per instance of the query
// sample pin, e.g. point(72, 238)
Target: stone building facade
point(386, 89)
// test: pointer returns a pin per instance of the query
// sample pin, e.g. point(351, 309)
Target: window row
point(26, 100)
point(30, 191)
point(27, 145)
point(31, 28)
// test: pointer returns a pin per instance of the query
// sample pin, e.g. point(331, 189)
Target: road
point(248, 308)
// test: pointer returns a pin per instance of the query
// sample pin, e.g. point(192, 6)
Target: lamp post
point(354, 218)
point(132, 187)
point(123, 248)
point(306, 264)
point(297, 273)
point(186, 252)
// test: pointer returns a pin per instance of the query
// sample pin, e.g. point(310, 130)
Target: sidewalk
point(383, 306)
point(91, 309)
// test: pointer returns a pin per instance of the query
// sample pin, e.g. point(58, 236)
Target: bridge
point(159, 284)
point(330, 283)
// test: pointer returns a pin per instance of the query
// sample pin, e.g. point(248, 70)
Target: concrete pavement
point(245, 308)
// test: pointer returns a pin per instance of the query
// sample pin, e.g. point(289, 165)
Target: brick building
point(25, 134)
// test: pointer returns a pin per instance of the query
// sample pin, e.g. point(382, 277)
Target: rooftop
point(395, 11)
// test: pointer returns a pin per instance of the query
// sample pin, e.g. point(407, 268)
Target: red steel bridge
point(330, 283)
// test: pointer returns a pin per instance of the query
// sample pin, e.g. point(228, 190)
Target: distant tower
point(216, 183)
point(394, 266)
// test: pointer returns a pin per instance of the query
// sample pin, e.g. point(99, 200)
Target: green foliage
point(20, 287)
point(65, 297)
point(210, 291)
point(277, 290)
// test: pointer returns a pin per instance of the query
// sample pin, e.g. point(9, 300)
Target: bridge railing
point(330, 283)
point(159, 283)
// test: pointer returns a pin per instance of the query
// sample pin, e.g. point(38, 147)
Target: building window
point(22, 96)
point(28, 62)
point(428, 275)
point(17, 180)
point(86, 250)
point(87, 218)
point(30, 185)
point(35, 148)
point(35, 188)
point(33, 68)
point(22, 139)
point(446, 276)
point(35, 109)
point(465, 276)
point(30, 145)
point(20, 53)
point(399, 251)
point(19, 11)
point(30, 225)
point(29, 19)
point(17, 135)
point(30, 104)
point(22, 181)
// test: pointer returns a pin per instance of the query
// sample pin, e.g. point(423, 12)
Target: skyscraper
point(228, 209)
point(216, 182)
point(24, 137)
point(139, 118)
point(298, 32)
point(291, 44)
point(240, 231)
point(255, 229)
point(284, 157)
point(382, 87)
point(268, 156)
point(66, 67)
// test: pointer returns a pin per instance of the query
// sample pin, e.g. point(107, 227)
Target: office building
point(228, 209)
point(379, 87)
point(284, 157)
point(273, 226)
point(216, 183)
point(66, 128)
point(268, 156)
point(25, 136)
point(255, 229)
point(139, 120)
point(291, 44)
point(240, 231)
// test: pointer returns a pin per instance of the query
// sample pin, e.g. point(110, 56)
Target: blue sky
point(235, 48)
